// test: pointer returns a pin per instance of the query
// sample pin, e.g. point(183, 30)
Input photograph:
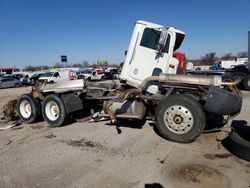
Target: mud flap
point(71, 102)
point(222, 102)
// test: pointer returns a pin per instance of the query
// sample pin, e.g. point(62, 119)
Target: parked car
point(86, 74)
point(49, 76)
point(20, 76)
point(97, 74)
point(239, 69)
point(52, 77)
point(91, 74)
point(111, 74)
point(9, 82)
point(33, 79)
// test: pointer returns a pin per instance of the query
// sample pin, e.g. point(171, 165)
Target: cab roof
point(153, 25)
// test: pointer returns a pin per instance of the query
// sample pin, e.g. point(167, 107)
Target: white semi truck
point(148, 86)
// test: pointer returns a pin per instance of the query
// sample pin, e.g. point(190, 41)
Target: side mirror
point(162, 39)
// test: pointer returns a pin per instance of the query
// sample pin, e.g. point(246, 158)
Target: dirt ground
point(100, 155)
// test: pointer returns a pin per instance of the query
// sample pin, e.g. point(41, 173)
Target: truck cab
point(150, 53)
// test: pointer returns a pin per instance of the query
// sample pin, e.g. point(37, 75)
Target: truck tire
point(53, 110)
point(29, 108)
point(238, 145)
point(246, 83)
point(180, 118)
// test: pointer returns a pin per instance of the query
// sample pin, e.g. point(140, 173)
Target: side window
point(56, 74)
point(150, 39)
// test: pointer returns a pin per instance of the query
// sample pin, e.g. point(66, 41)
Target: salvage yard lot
point(101, 155)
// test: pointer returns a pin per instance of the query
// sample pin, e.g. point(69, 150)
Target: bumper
point(222, 102)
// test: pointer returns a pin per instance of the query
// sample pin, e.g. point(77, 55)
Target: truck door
point(146, 60)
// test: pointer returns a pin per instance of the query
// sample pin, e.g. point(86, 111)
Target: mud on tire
point(29, 108)
point(180, 118)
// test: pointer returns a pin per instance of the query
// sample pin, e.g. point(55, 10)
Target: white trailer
point(228, 64)
point(58, 75)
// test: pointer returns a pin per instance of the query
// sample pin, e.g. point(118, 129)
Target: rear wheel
point(29, 108)
point(246, 83)
point(53, 110)
point(180, 118)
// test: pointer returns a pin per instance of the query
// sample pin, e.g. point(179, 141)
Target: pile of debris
point(10, 115)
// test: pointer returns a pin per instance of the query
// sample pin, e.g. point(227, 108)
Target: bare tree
point(76, 65)
point(227, 56)
point(209, 58)
point(30, 68)
point(44, 67)
point(94, 65)
point(57, 65)
point(242, 54)
point(85, 63)
point(102, 64)
point(114, 65)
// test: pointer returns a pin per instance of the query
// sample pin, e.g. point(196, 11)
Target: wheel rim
point(52, 111)
point(178, 119)
point(25, 109)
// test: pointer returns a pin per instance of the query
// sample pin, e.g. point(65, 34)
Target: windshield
point(36, 75)
point(150, 39)
point(33, 76)
point(18, 76)
point(48, 74)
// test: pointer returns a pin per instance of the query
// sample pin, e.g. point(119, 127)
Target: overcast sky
point(37, 32)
